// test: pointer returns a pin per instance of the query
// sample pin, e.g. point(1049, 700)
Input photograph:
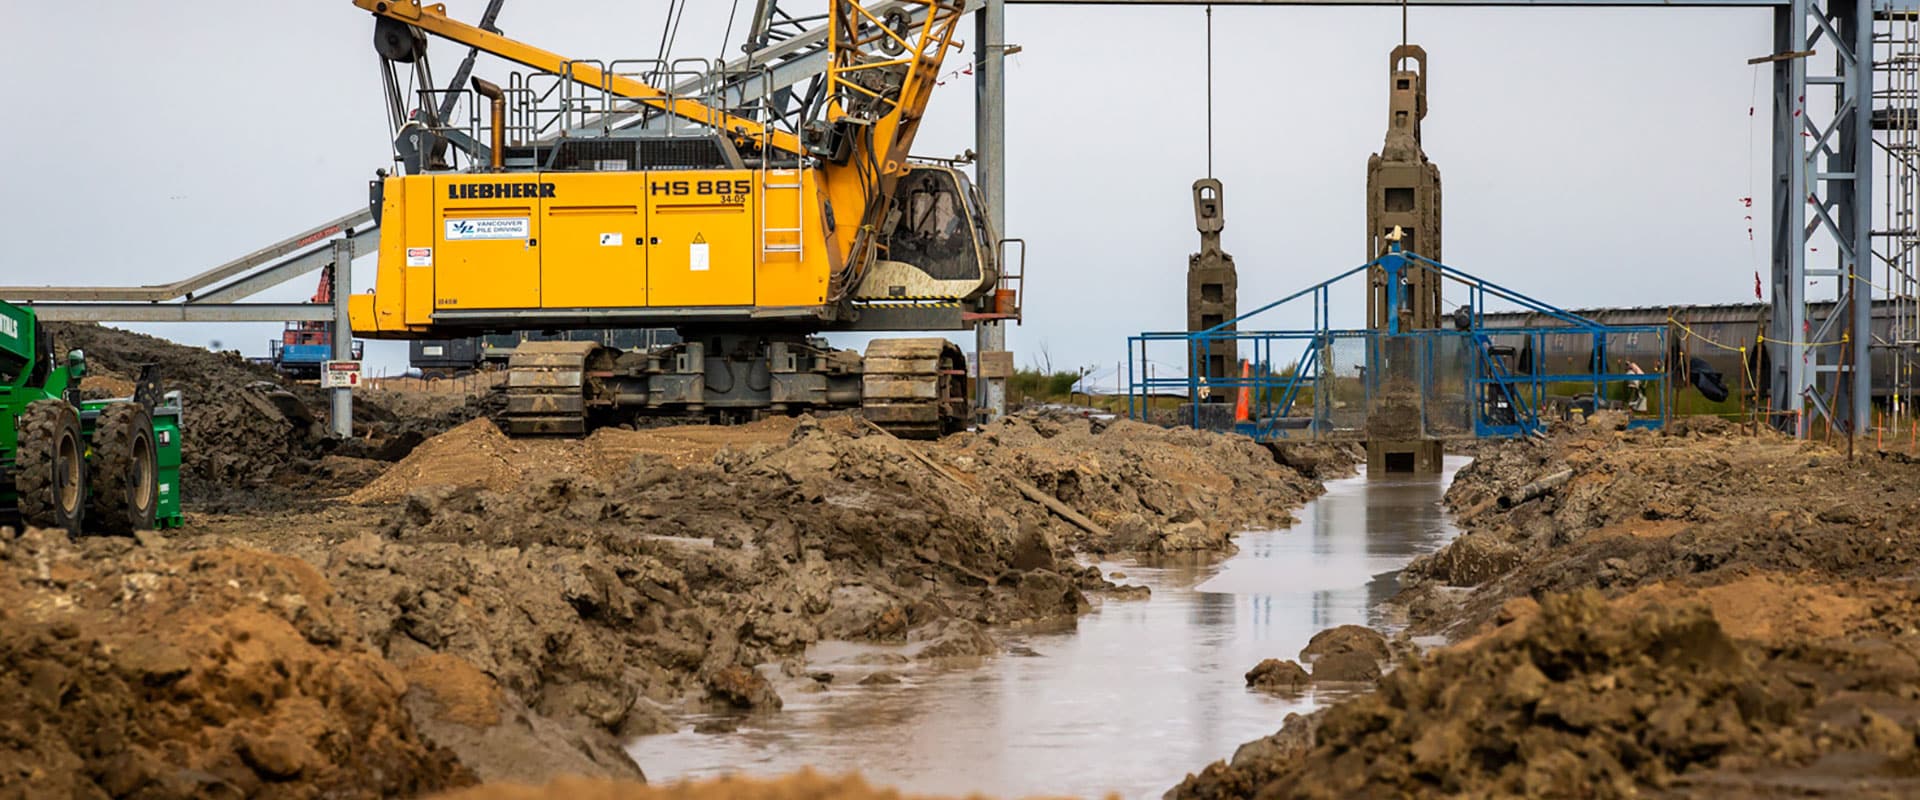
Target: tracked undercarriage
point(914, 388)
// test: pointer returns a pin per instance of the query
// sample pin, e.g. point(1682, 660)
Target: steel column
point(1823, 183)
point(1789, 219)
point(342, 334)
point(1859, 129)
point(990, 134)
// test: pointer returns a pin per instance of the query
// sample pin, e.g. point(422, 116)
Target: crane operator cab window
point(934, 232)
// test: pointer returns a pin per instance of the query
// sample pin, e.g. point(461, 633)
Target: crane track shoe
point(915, 388)
point(547, 387)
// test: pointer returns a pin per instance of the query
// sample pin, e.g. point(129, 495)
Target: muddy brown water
point(1127, 701)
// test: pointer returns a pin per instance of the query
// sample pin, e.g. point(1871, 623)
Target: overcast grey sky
point(1589, 156)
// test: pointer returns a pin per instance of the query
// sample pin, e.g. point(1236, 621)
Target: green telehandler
point(108, 466)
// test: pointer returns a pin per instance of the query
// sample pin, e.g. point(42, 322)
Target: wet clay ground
point(1145, 688)
point(524, 607)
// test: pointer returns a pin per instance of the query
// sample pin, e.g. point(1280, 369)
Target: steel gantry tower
point(1821, 187)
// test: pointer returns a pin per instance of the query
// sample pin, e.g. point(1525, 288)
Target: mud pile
point(1700, 504)
point(241, 451)
point(477, 454)
point(1577, 700)
point(230, 442)
point(1150, 489)
point(138, 672)
point(1720, 612)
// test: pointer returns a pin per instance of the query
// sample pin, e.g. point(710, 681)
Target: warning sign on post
point(340, 375)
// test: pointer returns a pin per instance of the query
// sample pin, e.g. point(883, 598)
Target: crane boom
point(433, 19)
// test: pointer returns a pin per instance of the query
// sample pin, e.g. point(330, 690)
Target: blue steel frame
point(1273, 393)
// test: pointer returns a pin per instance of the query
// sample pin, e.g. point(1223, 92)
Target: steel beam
point(181, 312)
point(188, 286)
point(364, 241)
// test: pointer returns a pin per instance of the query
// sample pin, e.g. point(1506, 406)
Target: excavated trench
point(1124, 701)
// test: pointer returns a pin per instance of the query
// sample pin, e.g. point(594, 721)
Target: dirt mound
point(225, 673)
point(1771, 608)
point(1581, 695)
point(229, 443)
point(1581, 699)
point(1721, 612)
point(1703, 504)
point(476, 454)
point(703, 555)
point(242, 452)
point(1151, 488)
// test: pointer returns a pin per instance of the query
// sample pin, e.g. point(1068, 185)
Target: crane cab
point(939, 245)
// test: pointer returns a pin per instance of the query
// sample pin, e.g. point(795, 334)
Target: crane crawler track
point(915, 388)
point(547, 388)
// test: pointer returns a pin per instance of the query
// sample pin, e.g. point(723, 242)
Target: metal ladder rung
point(798, 232)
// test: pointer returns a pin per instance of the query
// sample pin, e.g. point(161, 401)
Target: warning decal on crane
point(419, 256)
point(697, 258)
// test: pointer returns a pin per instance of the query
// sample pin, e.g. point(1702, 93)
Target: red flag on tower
point(1756, 284)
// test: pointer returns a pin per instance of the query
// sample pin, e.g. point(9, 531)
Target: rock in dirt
point(742, 688)
point(1346, 668)
point(1470, 559)
point(1274, 675)
point(953, 638)
point(1347, 639)
point(880, 678)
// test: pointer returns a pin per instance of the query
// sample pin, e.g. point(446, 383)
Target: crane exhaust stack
point(498, 144)
point(1403, 205)
point(1212, 294)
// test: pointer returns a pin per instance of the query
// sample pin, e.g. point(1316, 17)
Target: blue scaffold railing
point(1464, 381)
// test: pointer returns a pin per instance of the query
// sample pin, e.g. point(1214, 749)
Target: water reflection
point(1132, 698)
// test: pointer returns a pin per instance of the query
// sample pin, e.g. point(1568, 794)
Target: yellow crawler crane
point(593, 199)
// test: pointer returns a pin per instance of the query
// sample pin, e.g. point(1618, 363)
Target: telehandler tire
point(126, 470)
point(50, 468)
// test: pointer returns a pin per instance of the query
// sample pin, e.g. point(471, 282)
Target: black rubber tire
point(126, 470)
point(50, 469)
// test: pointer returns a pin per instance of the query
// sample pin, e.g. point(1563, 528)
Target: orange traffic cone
point(1241, 413)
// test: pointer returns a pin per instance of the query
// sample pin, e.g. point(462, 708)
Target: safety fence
point(1463, 381)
